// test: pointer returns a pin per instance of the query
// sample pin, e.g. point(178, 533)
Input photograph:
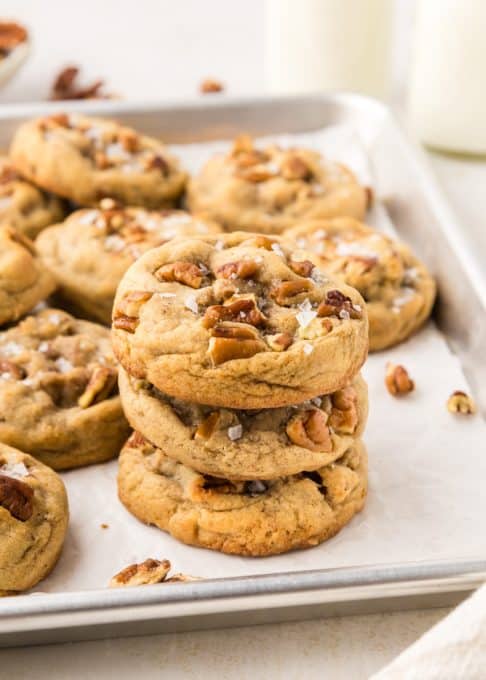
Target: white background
point(161, 49)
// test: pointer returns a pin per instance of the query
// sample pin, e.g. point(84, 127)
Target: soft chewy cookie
point(33, 520)
point(237, 321)
point(269, 190)
point(58, 393)
point(85, 159)
point(24, 206)
point(398, 290)
point(254, 518)
point(246, 444)
point(89, 252)
point(24, 281)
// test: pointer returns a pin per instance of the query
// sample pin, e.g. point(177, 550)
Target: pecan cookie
point(398, 290)
point(33, 520)
point(58, 393)
point(85, 159)
point(244, 444)
point(237, 321)
point(24, 281)
point(24, 206)
point(253, 518)
point(89, 252)
point(269, 190)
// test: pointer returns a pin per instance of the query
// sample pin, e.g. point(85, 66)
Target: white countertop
point(146, 50)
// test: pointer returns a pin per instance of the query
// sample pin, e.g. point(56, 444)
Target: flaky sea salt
point(63, 365)
point(12, 349)
point(114, 243)
point(317, 401)
point(43, 347)
point(276, 247)
point(308, 348)
point(235, 432)
point(166, 295)
point(15, 470)
point(219, 245)
point(191, 303)
point(344, 314)
point(306, 314)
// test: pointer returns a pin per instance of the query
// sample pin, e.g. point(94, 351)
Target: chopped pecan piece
point(338, 304)
point(260, 242)
point(242, 269)
point(129, 140)
point(16, 497)
point(294, 167)
point(285, 291)
point(242, 143)
point(56, 120)
point(309, 429)
point(101, 160)
point(243, 310)
point(207, 426)
point(13, 370)
point(460, 402)
point(183, 272)
point(146, 573)
point(302, 267)
point(233, 341)
point(397, 380)
point(338, 481)
point(99, 387)
point(255, 173)
point(65, 87)
point(182, 578)
point(156, 162)
point(344, 414)
point(11, 35)
point(210, 86)
point(126, 323)
point(246, 159)
point(131, 303)
point(279, 342)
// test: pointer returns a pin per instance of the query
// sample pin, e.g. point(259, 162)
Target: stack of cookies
point(240, 375)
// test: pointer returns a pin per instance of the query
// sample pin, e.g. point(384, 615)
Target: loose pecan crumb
point(207, 426)
point(309, 429)
point(99, 387)
point(146, 573)
point(210, 86)
point(284, 292)
point(279, 342)
point(460, 402)
point(301, 267)
point(65, 87)
point(183, 272)
point(11, 35)
point(243, 310)
point(16, 497)
point(242, 269)
point(104, 526)
point(397, 380)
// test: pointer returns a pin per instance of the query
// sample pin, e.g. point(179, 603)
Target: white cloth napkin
point(454, 649)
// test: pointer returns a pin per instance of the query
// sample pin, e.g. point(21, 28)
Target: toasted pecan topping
point(338, 304)
point(126, 323)
point(460, 402)
point(207, 426)
point(284, 292)
point(242, 144)
point(99, 387)
point(183, 272)
point(16, 497)
point(146, 573)
point(131, 303)
point(294, 167)
point(210, 86)
point(301, 267)
point(230, 343)
point(243, 310)
point(261, 242)
point(309, 429)
point(255, 173)
point(157, 162)
point(55, 120)
point(344, 413)
point(242, 269)
point(279, 342)
point(129, 140)
point(397, 380)
point(13, 370)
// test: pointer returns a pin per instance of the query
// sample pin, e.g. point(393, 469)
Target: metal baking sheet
point(412, 201)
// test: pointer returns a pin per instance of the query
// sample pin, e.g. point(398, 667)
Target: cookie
point(58, 393)
point(89, 252)
point(23, 206)
point(24, 281)
point(398, 290)
point(237, 321)
point(253, 518)
point(85, 159)
point(242, 444)
point(272, 189)
point(33, 520)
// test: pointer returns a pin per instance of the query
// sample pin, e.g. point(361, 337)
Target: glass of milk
point(447, 99)
point(320, 45)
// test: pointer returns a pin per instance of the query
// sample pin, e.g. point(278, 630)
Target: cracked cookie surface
point(254, 518)
point(242, 444)
point(86, 159)
point(33, 520)
point(24, 281)
point(271, 189)
point(90, 251)
point(58, 393)
point(398, 290)
point(24, 206)
point(239, 321)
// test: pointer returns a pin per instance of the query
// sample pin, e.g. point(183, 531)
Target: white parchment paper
point(427, 467)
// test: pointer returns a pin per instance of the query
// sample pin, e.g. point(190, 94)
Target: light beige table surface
point(150, 49)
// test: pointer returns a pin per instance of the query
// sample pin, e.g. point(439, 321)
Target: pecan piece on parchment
point(460, 402)
point(397, 380)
